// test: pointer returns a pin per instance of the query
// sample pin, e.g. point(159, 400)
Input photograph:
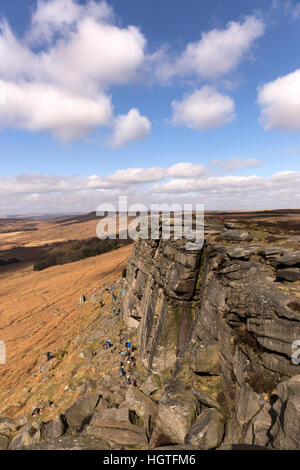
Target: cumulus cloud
point(280, 103)
point(130, 127)
point(203, 109)
point(41, 107)
point(58, 17)
point(218, 52)
point(62, 86)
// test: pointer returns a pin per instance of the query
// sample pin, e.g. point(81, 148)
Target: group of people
point(130, 361)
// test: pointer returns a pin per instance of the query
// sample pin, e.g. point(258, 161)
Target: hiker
point(128, 344)
point(132, 361)
point(128, 381)
point(49, 356)
point(114, 310)
point(121, 370)
point(107, 343)
point(123, 354)
point(101, 303)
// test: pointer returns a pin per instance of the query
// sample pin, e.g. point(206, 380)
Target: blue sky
point(195, 101)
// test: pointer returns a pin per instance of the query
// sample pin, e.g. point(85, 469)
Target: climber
point(128, 381)
point(49, 356)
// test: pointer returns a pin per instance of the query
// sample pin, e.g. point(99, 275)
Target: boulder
point(113, 426)
point(53, 429)
point(12, 424)
point(151, 385)
point(29, 434)
point(208, 431)
point(80, 413)
point(235, 236)
point(4, 442)
point(286, 430)
point(288, 274)
point(205, 359)
point(177, 411)
point(140, 403)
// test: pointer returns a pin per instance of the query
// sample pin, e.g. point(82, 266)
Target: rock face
point(160, 284)
point(227, 314)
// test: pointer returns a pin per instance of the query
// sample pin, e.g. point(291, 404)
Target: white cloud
point(203, 109)
point(130, 127)
point(62, 86)
point(235, 163)
point(280, 103)
point(59, 16)
point(185, 170)
point(218, 52)
point(40, 107)
point(46, 193)
point(242, 190)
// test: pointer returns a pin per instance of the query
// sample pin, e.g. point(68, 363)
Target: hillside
point(213, 330)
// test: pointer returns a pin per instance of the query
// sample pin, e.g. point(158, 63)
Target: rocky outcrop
point(222, 319)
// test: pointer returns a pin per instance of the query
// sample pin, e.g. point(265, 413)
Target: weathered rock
point(80, 413)
point(151, 385)
point(206, 400)
point(235, 236)
point(286, 430)
point(231, 226)
point(140, 403)
point(205, 359)
point(208, 431)
point(177, 411)
point(113, 426)
point(288, 274)
point(28, 435)
point(81, 442)
point(53, 429)
point(4, 442)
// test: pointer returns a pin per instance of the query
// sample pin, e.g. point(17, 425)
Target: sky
point(189, 102)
